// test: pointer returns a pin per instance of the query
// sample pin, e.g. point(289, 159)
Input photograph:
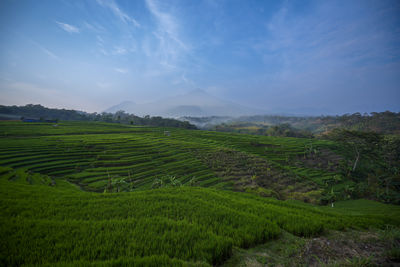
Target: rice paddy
point(57, 209)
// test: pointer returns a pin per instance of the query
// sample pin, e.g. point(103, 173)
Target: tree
point(192, 181)
point(120, 184)
point(329, 197)
point(166, 180)
point(360, 142)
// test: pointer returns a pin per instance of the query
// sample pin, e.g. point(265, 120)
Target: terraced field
point(91, 154)
point(53, 214)
point(53, 223)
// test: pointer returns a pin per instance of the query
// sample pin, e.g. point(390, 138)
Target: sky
point(314, 57)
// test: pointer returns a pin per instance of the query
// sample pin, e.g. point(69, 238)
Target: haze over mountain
point(195, 103)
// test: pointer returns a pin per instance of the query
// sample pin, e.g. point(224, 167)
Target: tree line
point(42, 113)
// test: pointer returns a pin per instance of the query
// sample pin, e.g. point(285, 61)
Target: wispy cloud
point(110, 4)
point(329, 50)
point(169, 53)
point(94, 27)
point(45, 50)
point(168, 26)
point(325, 42)
point(67, 27)
point(100, 40)
point(119, 50)
point(183, 80)
point(103, 51)
point(121, 70)
point(103, 85)
point(100, 44)
point(49, 53)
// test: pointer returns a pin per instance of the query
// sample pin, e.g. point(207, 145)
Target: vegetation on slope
point(99, 156)
point(302, 126)
point(47, 219)
point(40, 113)
point(48, 222)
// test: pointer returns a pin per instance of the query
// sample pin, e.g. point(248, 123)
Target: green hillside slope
point(49, 222)
point(93, 154)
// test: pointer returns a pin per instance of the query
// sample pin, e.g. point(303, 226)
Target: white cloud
point(100, 40)
point(94, 27)
point(103, 84)
point(118, 12)
point(103, 51)
point(169, 53)
point(49, 53)
point(184, 80)
point(121, 70)
point(67, 27)
point(327, 41)
point(45, 50)
point(324, 52)
point(168, 26)
point(119, 50)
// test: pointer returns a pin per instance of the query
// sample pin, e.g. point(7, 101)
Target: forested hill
point(380, 122)
point(295, 126)
point(39, 112)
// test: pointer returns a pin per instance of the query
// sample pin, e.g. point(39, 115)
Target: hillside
point(107, 194)
point(47, 222)
point(93, 154)
point(380, 122)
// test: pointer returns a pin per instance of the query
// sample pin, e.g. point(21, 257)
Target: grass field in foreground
point(51, 222)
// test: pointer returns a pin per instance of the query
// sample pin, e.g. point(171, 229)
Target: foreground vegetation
point(47, 221)
point(335, 248)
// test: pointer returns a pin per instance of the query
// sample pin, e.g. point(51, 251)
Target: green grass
point(86, 153)
point(44, 223)
point(280, 252)
point(368, 208)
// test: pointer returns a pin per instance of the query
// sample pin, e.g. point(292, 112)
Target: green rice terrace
point(89, 154)
point(102, 194)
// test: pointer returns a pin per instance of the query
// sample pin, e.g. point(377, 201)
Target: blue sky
point(281, 56)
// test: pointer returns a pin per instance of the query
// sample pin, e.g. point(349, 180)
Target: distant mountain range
point(196, 103)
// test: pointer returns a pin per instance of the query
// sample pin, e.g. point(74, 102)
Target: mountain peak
point(194, 103)
point(127, 102)
point(125, 106)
